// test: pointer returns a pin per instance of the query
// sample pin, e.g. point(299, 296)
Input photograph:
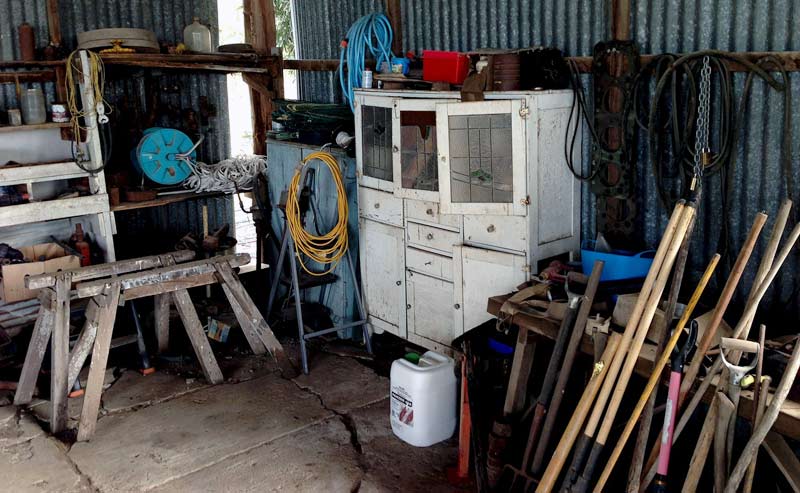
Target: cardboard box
point(12, 283)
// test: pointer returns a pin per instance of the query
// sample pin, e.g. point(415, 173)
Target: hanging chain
point(702, 152)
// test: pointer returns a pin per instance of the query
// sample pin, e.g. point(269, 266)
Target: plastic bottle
point(423, 399)
point(197, 37)
point(80, 244)
point(33, 108)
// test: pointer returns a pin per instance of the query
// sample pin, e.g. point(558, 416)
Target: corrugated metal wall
point(176, 91)
point(658, 26)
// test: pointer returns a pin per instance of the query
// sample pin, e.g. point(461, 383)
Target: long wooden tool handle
point(575, 424)
point(761, 405)
point(727, 409)
point(533, 436)
point(655, 376)
point(770, 416)
point(569, 358)
point(703, 442)
point(722, 304)
point(633, 321)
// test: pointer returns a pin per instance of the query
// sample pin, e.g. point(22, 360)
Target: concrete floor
point(328, 431)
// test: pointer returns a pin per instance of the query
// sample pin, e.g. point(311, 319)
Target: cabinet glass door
point(416, 165)
point(375, 148)
point(482, 158)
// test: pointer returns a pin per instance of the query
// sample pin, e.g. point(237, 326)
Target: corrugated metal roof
point(658, 26)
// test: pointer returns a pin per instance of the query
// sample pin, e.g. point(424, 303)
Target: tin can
point(14, 118)
point(59, 112)
point(366, 79)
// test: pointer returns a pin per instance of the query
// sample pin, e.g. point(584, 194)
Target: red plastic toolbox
point(444, 66)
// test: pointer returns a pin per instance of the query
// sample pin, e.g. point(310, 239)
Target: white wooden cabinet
point(459, 202)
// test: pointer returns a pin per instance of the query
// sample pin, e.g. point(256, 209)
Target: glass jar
point(33, 107)
point(197, 37)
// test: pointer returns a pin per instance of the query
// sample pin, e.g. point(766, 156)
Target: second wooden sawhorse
point(167, 277)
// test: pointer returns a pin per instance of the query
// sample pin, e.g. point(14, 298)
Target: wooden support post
point(161, 314)
point(194, 329)
point(621, 19)
point(520, 371)
point(84, 345)
point(59, 356)
point(106, 315)
point(394, 13)
point(36, 348)
point(260, 31)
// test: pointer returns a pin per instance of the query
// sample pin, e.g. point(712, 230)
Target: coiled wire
point(329, 248)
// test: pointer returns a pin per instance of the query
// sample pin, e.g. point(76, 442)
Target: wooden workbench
point(788, 423)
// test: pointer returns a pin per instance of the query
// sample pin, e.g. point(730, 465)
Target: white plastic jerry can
point(423, 399)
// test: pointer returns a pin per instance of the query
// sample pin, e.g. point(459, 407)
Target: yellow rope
point(74, 76)
point(329, 248)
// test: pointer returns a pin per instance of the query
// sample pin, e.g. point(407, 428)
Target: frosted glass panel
point(480, 158)
point(376, 145)
point(418, 150)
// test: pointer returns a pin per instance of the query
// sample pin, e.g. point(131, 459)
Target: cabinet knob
point(490, 229)
point(430, 236)
point(377, 205)
point(398, 283)
point(395, 149)
point(408, 307)
point(429, 212)
point(457, 306)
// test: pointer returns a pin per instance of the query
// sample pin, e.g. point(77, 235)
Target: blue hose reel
point(161, 155)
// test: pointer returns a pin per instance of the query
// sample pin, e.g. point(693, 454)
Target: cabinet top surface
point(457, 94)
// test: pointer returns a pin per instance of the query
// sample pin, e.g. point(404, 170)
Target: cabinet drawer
point(429, 211)
point(429, 263)
point(506, 232)
point(380, 206)
point(426, 236)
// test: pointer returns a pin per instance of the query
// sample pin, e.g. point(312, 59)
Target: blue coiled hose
point(373, 32)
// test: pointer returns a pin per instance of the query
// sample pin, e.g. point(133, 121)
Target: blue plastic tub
point(619, 264)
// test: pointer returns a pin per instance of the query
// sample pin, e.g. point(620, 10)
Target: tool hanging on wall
point(90, 115)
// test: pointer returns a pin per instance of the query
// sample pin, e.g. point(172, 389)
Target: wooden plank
point(59, 357)
point(31, 63)
point(32, 76)
point(21, 174)
point(161, 315)
point(784, 458)
point(312, 65)
point(37, 346)
point(520, 372)
point(228, 63)
point(249, 328)
point(167, 287)
point(394, 13)
point(106, 315)
point(164, 274)
point(111, 268)
point(82, 348)
point(54, 22)
point(260, 326)
point(13, 215)
point(194, 329)
point(25, 128)
point(163, 200)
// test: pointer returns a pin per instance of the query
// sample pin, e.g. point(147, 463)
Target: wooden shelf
point(49, 210)
point(215, 62)
point(35, 63)
point(19, 174)
point(165, 200)
point(38, 126)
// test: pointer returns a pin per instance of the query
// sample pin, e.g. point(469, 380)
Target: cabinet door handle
point(377, 205)
point(429, 212)
point(398, 283)
point(395, 149)
point(430, 236)
point(457, 306)
point(408, 307)
point(490, 229)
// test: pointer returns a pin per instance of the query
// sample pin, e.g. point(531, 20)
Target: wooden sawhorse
point(167, 277)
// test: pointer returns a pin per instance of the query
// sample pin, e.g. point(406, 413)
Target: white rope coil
point(230, 175)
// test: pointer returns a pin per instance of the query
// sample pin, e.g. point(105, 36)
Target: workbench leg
point(84, 345)
point(106, 315)
point(520, 372)
point(59, 357)
point(254, 317)
point(36, 349)
point(194, 329)
point(161, 313)
point(245, 322)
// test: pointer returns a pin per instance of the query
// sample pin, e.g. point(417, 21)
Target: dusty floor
point(328, 431)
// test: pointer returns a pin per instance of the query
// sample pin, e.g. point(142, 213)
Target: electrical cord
point(74, 77)
point(577, 109)
point(326, 249)
point(372, 32)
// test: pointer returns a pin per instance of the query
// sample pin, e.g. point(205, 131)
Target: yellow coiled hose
point(329, 248)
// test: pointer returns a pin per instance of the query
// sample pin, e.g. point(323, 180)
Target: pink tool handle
point(669, 422)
